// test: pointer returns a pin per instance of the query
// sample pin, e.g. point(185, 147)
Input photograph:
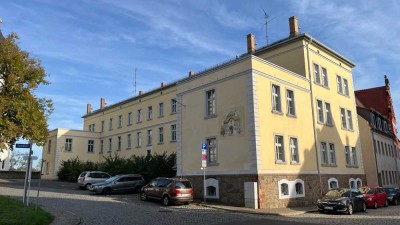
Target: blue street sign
point(203, 146)
point(22, 145)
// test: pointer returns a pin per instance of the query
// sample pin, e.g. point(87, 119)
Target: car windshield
point(336, 193)
point(182, 184)
point(82, 174)
point(366, 190)
point(111, 179)
point(390, 190)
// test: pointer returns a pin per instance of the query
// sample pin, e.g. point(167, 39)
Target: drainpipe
point(313, 118)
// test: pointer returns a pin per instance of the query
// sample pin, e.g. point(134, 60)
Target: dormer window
point(372, 122)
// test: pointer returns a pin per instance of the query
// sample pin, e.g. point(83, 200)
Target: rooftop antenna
point(267, 20)
point(135, 81)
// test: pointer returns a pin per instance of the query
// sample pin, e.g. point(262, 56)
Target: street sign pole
point(203, 167)
point(27, 175)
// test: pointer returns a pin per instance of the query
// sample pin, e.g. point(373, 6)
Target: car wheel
point(166, 201)
point(87, 186)
point(349, 209)
point(186, 203)
point(143, 196)
point(375, 205)
point(106, 191)
point(395, 202)
point(321, 211)
point(386, 203)
point(363, 207)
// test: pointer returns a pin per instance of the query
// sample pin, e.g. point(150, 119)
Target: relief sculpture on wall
point(231, 124)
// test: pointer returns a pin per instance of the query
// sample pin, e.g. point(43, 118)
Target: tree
point(22, 113)
point(18, 161)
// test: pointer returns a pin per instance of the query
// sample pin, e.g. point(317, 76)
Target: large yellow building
point(279, 124)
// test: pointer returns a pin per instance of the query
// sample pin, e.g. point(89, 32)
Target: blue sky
point(90, 49)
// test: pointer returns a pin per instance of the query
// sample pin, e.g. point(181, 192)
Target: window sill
point(90, 152)
point(138, 146)
point(110, 129)
point(128, 148)
point(280, 162)
point(325, 165)
point(294, 163)
point(149, 145)
point(277, 112)
point(321, 123)
point(213, 164)
point(172, 141)
point(138, 122)
point(173, 113)
point(118, 150)
point(291, 116)
point(210, 116)
point(129, 125)
point(343, 94)
point(119, 127)
point(160, 143)
point(150, 119)
point(321, 85)
point(100, 152)
point(161, 116)
point(333, 165)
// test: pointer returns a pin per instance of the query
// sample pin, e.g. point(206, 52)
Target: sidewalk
point(63, 217)
point(275, 212)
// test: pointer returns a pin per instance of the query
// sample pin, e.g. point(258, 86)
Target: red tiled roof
point(374, 98)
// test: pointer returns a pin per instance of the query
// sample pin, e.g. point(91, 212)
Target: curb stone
point(63, 217)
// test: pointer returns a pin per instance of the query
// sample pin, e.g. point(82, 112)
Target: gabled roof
point(373, 98)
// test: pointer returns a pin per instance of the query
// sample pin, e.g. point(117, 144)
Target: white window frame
point(110, 124)
point(119, 121)
point(212, 150)
point(90, 146)
point(161, 109)
point(320, 110)
point(291, 189)
point(139, 116)
point(276, 98)
point(352, 180)
point(211, 102)
point(161, 135)
point(173, 132)
point(339, 84)
point(119, 143)
point(139, 139)
point(324, 153)
point(324, 76)
point(328, 114)
point(358, 180)
point(317, 74)
point(332, 155)
point(290, 103)
point(343, 118)
point(354, 160)
point(294, 150)
point(279, 149)
point(102, 126)
point(110, 144)
point(347, 155)
point(149, 137)
point(128, 141)
point(129, 118)
point(68, 144)
point(332, 179)
point(345, 87)
point(150, 113)
point(173, 106)
point(349, 120)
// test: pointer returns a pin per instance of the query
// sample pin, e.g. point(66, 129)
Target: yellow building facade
point(278, 122)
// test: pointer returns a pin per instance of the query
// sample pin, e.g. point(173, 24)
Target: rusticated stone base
point(231, 188)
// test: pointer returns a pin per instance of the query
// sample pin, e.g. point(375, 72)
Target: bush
point(150, 167)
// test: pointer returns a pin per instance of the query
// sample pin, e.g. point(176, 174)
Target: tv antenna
point(267, 20)
point(134, 86)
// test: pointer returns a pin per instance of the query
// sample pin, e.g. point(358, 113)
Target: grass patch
point(12, 213)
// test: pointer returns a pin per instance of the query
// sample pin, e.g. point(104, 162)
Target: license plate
point(329, 208)
point(183, 195)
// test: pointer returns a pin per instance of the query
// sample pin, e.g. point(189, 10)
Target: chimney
point(251, 45)
point(163, 84)
point(88, 108)
point(191, 73)
point(102, 103)
point(386, 81)
point(140, 92)
point(293, 26)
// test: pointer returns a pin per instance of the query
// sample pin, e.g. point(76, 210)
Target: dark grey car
point(119, 183)
point(168, 190)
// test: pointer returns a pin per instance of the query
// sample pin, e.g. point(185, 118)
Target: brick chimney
point(163, 84)
point(102, 103)
point(251, 45)
point(293, 26)
point(191, 73)
point(88, 108)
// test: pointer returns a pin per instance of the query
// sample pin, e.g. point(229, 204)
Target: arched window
point(352, 184)
point(333, 183)
point(284, 189)
point(212, 188)
point(211, 191)
point(359, 182)
point(299, 189)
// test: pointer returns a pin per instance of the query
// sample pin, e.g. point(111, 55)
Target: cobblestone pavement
point(82, 207)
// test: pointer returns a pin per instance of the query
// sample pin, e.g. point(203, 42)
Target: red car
point(374, 196)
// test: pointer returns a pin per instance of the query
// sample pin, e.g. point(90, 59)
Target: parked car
point(119, 183)
point(374, 196)
point(168, 190)
point(88, 178)
point(393, 195)
point(342, 200)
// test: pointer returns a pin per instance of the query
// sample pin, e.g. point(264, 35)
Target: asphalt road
point(127, 209)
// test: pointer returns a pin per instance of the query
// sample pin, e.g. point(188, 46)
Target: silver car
point(119, 183)
point(88, 178)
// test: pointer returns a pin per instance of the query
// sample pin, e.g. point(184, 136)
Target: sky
point(90, 49)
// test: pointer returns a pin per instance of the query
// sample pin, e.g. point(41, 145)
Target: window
point(294, 150)
point(119, 143)
point(320, 110)
point(359, 182)
point(347, 155)
point(325, 77)
point(276, 98)
point(149, 112)
point(349, 120)
point(290, 103)
point(128, 141)
point(173, 132)
point(354, 156)
point(101, 146)
point(129, 118)
point(317, 76)
point(339, 85)
point(352, 184)
point(139, 116)
point(161, 109)
point(332, 154)
point(68, 144)
point(379, 123)
point(49, 147)
point(333, 183)
point(279, 149)
point(149, 137)
point(93, 127)
point(284, 189)
point(210, 104)
point(324, 154)
point(47, 167)
point(343, 117)
point(328, 114)
point(102, 126)
point(346, 87)
point(148, 152)
point(138, 139)
point(90, 128)
point(110, 144)
point(299, 188)
point(173, 106)
point(161, 135)
point(90, 145)
point(110, 124)
point(212, 150)
point(373, 120)
point(119, 121)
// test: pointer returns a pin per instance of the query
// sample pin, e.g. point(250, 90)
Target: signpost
point(204, 166)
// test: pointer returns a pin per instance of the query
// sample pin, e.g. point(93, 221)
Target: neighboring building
point(378, 135)
point(5, 158)
point(280, 119)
